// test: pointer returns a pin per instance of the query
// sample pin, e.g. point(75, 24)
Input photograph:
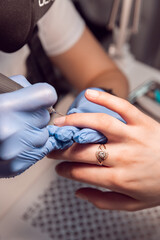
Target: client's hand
point(132, 169)
point(85, 135)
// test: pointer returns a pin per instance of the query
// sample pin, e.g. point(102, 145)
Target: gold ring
point(101, 154)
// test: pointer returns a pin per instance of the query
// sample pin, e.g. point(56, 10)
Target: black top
point(17, 21)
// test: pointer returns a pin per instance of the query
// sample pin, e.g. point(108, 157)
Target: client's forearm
point(113, 79)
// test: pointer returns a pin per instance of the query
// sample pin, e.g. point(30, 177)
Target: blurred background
point(145, 45)
point(130, 33)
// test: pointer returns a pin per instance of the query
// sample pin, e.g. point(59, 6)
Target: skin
point(87, 65)
point(132, 169)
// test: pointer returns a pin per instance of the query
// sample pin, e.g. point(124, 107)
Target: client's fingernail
point(59, 121)
point(81, 196)
point(92, 93)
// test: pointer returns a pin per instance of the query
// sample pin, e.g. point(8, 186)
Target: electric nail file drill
point(7, 85)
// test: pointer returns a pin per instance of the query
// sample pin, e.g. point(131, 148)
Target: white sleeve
point(60, 28)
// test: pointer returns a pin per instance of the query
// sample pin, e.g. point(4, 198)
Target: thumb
point(31, 98)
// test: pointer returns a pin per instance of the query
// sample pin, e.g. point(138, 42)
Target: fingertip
point(31, 98)
point(60, 121)
point(82, 191)
point(60, 168)
point(49, 93)
point(87, 193)
point(92, 94)
point(81, 195)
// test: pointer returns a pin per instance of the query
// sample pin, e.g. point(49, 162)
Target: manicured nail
point(92, 93)
point(59, 121)
point(81, 196)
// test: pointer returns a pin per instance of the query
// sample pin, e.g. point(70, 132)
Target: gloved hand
point(24, 138)
point(86, 135)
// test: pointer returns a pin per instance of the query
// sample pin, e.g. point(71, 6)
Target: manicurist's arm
point(86, 64)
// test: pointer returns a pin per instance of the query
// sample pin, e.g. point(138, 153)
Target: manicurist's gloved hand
point(86, 135)
point(24, 137)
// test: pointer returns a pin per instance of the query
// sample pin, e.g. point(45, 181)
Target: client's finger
point(92, 154)
point(110, 200)
point(92, 174)
point(126, 110)
point(108, 125)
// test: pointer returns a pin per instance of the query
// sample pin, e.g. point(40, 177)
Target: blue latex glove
point(86, 135)
point(58, 137)
point(24, 137)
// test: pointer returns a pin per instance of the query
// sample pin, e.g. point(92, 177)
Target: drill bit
point(51, 110)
